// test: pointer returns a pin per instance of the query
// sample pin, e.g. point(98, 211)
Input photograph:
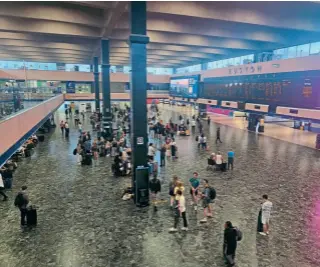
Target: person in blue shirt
point(230, 159)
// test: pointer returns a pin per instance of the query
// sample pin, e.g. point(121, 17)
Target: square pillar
point(106, 100)
point(138, 89)
point(96, 83)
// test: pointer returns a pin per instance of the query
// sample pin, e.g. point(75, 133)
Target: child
point(155, 188)
point(172, 186)
point(180, 210)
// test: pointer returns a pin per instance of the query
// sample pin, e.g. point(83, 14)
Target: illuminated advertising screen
point(293, 89)
point(187, 87)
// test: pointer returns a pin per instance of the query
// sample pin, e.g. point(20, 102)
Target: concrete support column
point(105, 65)
point(138, 89)
point(96, 83)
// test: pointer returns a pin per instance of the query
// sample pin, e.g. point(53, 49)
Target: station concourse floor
point(83, 222)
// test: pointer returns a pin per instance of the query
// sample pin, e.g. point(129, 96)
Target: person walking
point(66, 112)
point(83, 115)
point(265, 216)
point(230, 159)
point(80, 127)
point(2, 189)
point(229, 243)
point(208, 196)
point(21, 201)
point(66, 127)
point(218, 136)
point(204, 142)
point(195, 183)
point(62, 127)
point(163, 151)
point(180, 211)
point(155, 189)
point(208, 120)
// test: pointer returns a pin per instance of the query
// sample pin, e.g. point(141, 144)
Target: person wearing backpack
point(208, 196)
point(155, 188)
point(230, 243)
point(21, 201)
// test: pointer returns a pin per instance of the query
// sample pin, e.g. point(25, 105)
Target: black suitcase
point(41, 138)
point(32, 216)
point(224, 167)
point(27, 153)
point(87, 159)
point(259, 224)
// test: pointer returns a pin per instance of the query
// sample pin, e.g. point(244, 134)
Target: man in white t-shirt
point(219, 160)
point(151, 152)
point(266, 211)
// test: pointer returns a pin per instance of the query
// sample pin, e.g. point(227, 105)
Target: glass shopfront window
point(315, 48)
point(303, 50)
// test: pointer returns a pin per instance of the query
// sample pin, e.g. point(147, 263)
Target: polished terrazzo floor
point(83, 222)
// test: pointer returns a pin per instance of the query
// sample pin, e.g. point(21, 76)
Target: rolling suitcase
point(224, 167)
point(32, 218)
point(27, 153)
point(259, 224)
point(41, 138)
point(87, 159)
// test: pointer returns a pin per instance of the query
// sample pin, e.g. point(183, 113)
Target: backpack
point(239, 234)
point(19, 200)
point(75, 152)
point(212, 193)
point(197, 138)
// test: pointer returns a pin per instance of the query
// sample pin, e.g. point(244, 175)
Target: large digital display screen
point(187, 86)
point(292, 89)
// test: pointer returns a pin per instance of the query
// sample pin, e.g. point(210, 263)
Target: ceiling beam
point(47, 27)
point(273, 14)
point(52, 11)
point(196, 40)
point(49, 45)
point(207, 27)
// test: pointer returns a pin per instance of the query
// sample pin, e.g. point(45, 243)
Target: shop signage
point(249, 69)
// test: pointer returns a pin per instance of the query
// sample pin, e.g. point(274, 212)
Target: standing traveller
point(208, 196)
point(2, 190)
point(62, 127)
point(195, 183)
point(230, 243)
point(265, 216)
point(193, 125)
point(180, 211)
point(219, 160)
point(66, 112)
point(173, 150)
point(172, 186)
point(66, 127)
point(163, 151)
point(230, 159)
point(204, 142)
point(155, 189)
point(83, 115)
point(80, 127)
point(209, 120)
point(151, 152)
point(218, 136)
point(21, 201)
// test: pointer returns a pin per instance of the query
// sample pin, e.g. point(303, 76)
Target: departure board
point(293, 89)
